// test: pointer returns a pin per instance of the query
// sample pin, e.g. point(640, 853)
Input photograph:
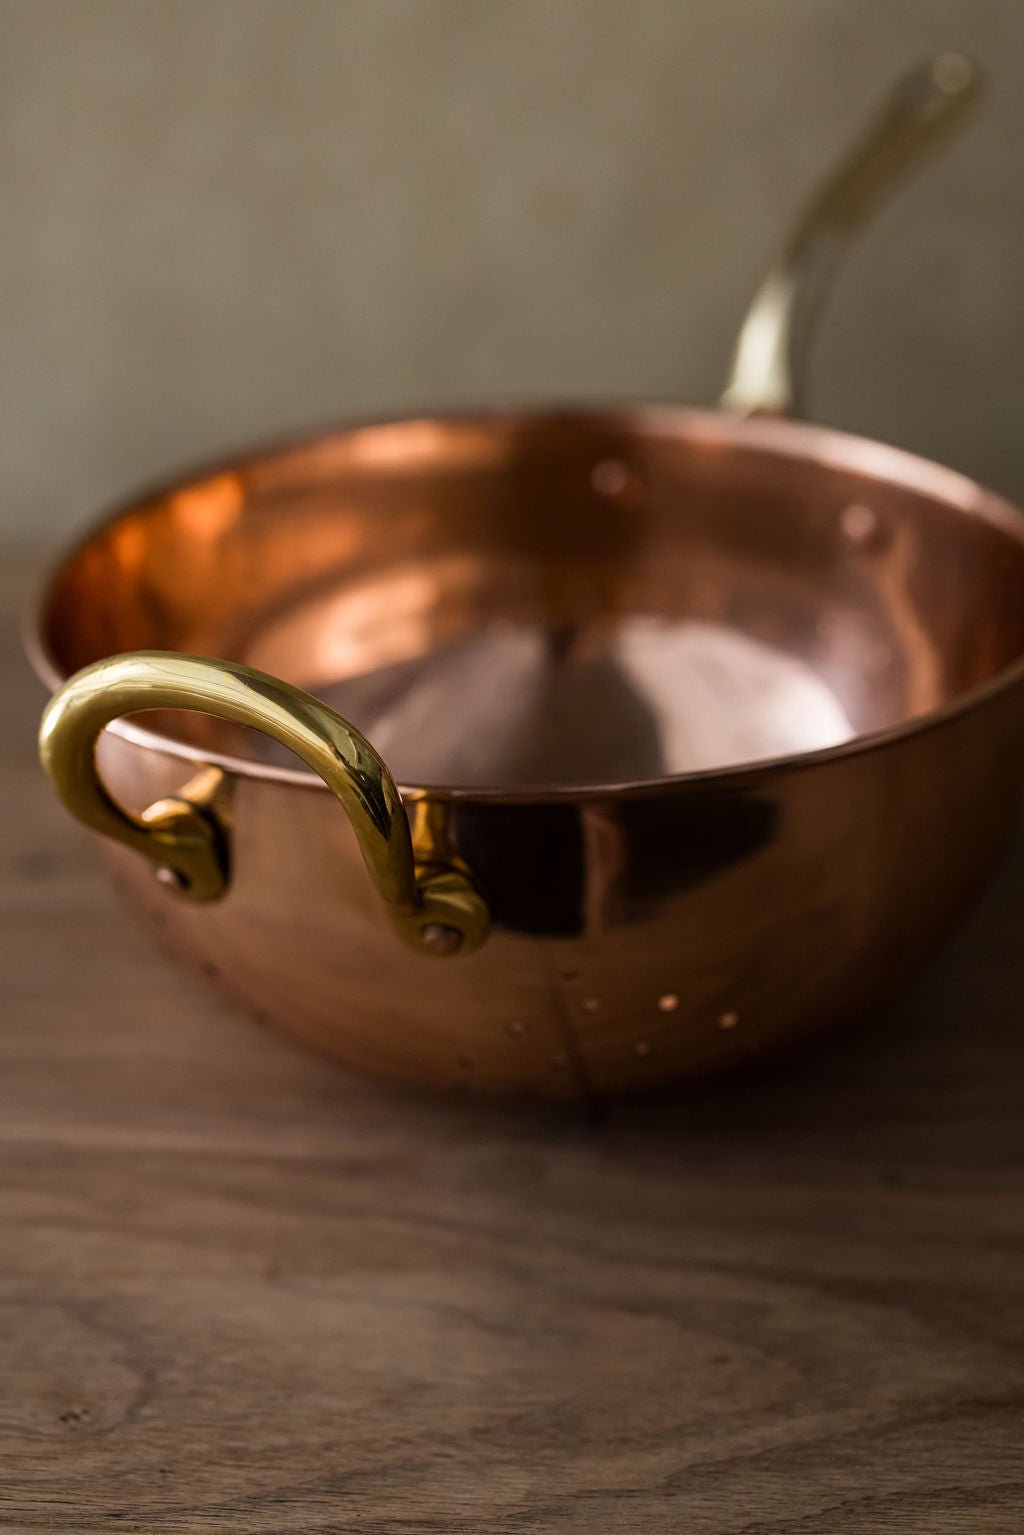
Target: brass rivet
point(952, 73)
point(728, 1020)
point(171, 879)
point(590, 1005)
point(668, 1003)
point(439, 938)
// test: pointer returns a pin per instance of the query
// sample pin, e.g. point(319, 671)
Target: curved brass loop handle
point(769, 360)
point(435, 910)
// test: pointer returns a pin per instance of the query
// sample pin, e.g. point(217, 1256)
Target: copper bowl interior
point(523, 600)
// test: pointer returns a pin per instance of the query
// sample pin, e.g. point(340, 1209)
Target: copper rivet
point(668, 1003)
point(859, 524)
point(610, 477)
point(589, 1005)
point(642, 1047)
point(728, 1020)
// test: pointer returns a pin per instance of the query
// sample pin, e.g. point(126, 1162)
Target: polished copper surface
point(474, 596)
point(708, 726)
point(620, 616)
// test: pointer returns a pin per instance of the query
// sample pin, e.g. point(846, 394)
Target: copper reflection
point(715, 723)
point(584, 680)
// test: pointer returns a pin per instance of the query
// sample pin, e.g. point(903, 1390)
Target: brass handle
point(434, 909)
point(769, 360)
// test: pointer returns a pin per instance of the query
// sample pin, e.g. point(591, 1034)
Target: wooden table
point(244, 1292)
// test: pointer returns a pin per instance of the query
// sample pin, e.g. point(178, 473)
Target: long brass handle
point(769, 359)
point(436, 910)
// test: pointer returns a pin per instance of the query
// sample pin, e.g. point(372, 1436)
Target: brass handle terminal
point(436, 910)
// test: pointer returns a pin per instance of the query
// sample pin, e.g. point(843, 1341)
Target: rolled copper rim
point(823, 447)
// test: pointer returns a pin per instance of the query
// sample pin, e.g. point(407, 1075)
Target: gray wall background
point(229, 218)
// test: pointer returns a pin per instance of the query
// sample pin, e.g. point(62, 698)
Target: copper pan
point(708, 723)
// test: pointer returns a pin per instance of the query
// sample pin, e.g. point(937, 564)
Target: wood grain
point(242, 1291)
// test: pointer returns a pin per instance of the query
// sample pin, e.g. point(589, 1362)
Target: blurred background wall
point(230, 218)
